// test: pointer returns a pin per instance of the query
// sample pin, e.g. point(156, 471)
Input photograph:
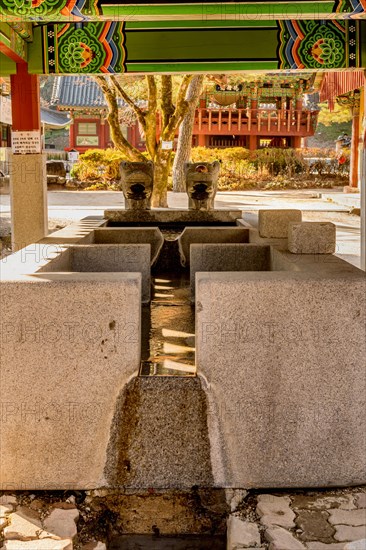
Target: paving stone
point(315, 526)
point(7, 505)
point(8, 499)
point(275, 511)
point(280, 539)
point(25, 524)
point(321, 546)
point(62, 522)
point(347, 517)
point(349, 503)
point(361, 500)
point(347, 533)
point(64, 505)
point(45, 544)
point(5, 510)
point(37, 504)
point(356, 545)
point(241, 534)
point(93, 545)
point(234, 497)
point(316, 502)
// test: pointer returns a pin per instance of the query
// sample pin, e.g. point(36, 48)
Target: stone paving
point(31, 523)
point(307, 520)
point(296, 520)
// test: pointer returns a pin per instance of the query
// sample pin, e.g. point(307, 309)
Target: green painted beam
point(199, 10)
point(12, 44)
point(113, 47)
point(7, 66)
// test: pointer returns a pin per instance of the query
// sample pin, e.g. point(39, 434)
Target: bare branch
point(139, 113)
point(116, 133)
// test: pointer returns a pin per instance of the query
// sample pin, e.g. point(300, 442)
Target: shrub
point(268, 168)
point(98, 165)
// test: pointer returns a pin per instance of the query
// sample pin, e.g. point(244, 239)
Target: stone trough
point(278, 396)
point(210, 257)
point(70, 342)
point(131, 235)
point(211, 234)
point(113, 258)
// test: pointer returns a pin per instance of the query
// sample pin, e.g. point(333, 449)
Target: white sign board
point(167, 145)
point(26, 143)
point(5, 110)
point(73, 156)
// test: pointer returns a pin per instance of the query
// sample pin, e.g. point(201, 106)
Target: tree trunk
point(185, 134)
point(162, 164)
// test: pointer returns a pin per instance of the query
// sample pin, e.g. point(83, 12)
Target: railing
point(255, 121)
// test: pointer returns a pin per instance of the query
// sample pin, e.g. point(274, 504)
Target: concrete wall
point(283, 358)
point(69, 344)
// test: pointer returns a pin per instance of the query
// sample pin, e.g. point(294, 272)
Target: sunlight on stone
point(173, 365)
point(162, 287)
point(175, 333)
point(173, 348)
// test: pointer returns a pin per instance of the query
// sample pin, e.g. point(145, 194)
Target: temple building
point(271, 111)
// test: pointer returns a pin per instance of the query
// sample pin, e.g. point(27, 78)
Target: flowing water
point(168, 343)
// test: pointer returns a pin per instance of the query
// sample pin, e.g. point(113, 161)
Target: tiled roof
point(54, 118)
point(76, 91)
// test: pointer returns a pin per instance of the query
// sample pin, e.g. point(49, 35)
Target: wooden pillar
point(353, 174)
point(102, 143)
point(296, 142)
point(352, 100)
point(201, 140)
point(28, 180)
point(72, 137)
point(253, 142)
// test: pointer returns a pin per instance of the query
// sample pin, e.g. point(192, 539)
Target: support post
point(72, 138)
point(101, 128)
point(201, 140)
point(28, 179)
point(296, 142)
point(253, 142)
point(352, 100)
point(353, 175)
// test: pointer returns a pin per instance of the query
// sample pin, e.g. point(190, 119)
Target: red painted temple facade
point(268, 113)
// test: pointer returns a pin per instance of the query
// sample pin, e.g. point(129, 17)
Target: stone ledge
point(187, 217)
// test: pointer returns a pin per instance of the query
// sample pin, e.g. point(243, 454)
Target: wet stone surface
point(315, 526)
point(168, 322)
